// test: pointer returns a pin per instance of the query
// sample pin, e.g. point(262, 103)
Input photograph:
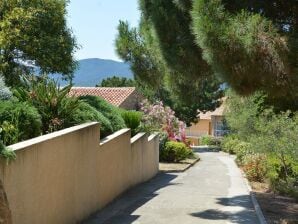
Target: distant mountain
point(91, 71)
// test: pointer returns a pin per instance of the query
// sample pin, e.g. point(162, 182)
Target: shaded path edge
point(254, 200)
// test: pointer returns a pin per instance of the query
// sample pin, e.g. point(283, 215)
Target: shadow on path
point(204, 149)
point(212, 191)
point(121, 209)
point(238, 210)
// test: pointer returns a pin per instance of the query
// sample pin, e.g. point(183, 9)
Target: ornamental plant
point(160, 118)
point(175, 152)
point(52, 102)
point(132, 120)
point(111, 112)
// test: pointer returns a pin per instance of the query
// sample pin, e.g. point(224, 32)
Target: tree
point(187, 72)
point(34, 33)
point(133, 48)
point(117, 82)
point(185, 95)
point(251, 45)
point(242, 113)
point(269, 134)
point(170, 21)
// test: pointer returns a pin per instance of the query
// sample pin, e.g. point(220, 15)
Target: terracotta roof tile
point(114, 95)
point(217, 112)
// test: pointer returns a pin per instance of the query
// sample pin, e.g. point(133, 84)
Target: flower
point(158, 117)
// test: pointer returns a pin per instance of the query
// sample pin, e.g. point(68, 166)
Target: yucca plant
point(132, 120)
point(52, 101)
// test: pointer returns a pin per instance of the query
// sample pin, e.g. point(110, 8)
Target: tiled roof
point(114, 95)
point(217, 112)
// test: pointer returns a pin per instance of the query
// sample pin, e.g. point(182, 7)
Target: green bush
point(210, 140)
point(86, 113)
point(229, 144)
point(18, 121)
point(268, 132)
point(109, 111)
point(283, 178)
point(132, 120)
point(243, 112)
point(175, 152)
point(254, 167)
point(242, 149)
point(232, 145)
point(277, 138)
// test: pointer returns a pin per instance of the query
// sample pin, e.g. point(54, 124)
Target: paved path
point(213, 191)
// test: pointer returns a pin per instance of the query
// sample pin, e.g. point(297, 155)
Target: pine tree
point(171, 22)
point(251, 45)
point(139, 47)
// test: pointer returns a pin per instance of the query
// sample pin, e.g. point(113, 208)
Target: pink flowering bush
point(160, 118)
point(172, 144)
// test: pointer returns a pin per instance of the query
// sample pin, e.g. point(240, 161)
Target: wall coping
point(114, 135)
point(138, 136)
point(152, 136)
point(43, 138)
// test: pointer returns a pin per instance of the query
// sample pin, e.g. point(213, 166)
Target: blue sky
point(94, 24)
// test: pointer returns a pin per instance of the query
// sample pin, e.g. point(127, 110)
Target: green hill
point(91, 71)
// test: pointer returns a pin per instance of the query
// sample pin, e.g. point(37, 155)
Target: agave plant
point(52, 101)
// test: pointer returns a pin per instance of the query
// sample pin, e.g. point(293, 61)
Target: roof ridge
point(89, 87)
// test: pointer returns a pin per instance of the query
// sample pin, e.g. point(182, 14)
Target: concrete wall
point(203, 127)
point(65, 176)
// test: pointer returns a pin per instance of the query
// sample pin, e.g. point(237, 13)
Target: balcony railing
point(193, 133)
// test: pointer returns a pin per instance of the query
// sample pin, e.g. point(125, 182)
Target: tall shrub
point(86, 113)
point(158, 118)
point(267, 133)
point(278, 139)
point(108, 110)
point(242, 113)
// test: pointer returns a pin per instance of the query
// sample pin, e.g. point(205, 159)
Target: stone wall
point(133, 101)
